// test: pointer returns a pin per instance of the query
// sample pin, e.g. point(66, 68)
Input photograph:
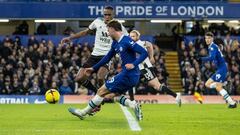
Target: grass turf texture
point(158, 119)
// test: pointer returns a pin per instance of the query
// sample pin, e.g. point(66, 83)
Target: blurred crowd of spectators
point(194, 74)
point(42, 65)
point(216, 28)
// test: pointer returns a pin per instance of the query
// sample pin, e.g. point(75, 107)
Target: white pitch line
point(133, 124)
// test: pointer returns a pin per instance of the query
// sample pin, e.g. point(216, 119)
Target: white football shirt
point(146, 62)
point(103, 41)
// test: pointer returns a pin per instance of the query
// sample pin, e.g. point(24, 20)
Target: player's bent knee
point(100, 81)
point(102, 91)
point(154, 83)
point(219, 86)
point(110, 96)
point(102, 72)
point(80, 76)
point(207, 84)
point(155, 86)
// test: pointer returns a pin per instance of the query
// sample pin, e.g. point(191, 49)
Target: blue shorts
point(122, 82)
point(220, 75)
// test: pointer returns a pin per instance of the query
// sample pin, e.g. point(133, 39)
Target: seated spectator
point(8, 89)
point(227, 40)
point(1, 82)
point(65, 89)
point(24, 90)
point(32, 41)
point(35, 89)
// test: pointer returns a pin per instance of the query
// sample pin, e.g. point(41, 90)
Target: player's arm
point(149, 47)
point(90, 28)
point(80, 34)
point(105, 59)
point(124, 31)
point(143, 54)
point(77, 35)
point(211, 56)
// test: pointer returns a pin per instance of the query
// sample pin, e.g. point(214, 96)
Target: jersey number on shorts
point(148, 75)
point(218, 76)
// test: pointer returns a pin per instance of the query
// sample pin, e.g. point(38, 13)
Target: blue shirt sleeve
point(143, 53)
point(105, 59)
point(211, 56)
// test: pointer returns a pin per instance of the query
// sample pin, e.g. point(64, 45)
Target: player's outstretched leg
point(83, 80)
point(93, 103)
point(177, 96)
point(76, 112)
point(161, 87)
point(211, 84)
point(178, 99)
point(132, 104)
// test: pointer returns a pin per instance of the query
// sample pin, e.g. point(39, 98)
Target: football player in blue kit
point(216, 81)
point(125, 80)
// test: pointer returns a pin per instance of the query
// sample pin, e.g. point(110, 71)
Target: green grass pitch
point(159, 119)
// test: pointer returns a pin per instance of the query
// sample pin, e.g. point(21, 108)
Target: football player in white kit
point(147, 70)
point(101, 47)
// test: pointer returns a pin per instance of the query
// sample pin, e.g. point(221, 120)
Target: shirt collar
point(211, 44)
point(120, 38)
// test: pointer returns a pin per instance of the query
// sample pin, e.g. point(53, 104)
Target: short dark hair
point(115, 24)
point(109, 7)
point(210, 34)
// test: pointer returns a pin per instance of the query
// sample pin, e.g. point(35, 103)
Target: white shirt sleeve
point(124, 31)
point(92, 26)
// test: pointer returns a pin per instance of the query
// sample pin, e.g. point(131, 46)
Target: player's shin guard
point(165, 89)
point(126, 102)
point(87, 83)
point(93, 103)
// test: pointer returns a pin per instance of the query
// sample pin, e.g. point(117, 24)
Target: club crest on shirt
point(218, 76)
point(120, 49)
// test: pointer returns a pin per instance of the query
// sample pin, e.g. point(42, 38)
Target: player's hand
point(65, 40)
point(129, 66)
point(152, 60)
point(88, 71)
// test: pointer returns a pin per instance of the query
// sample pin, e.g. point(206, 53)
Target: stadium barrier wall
point(82, 99)
point(18, 99)
point(156, 99)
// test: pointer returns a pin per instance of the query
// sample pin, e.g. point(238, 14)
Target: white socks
point(226, 96)
point(126, 102)
point(96, 101)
